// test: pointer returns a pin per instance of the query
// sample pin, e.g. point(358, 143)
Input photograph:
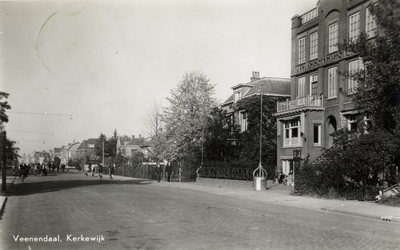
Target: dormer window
point(238, 95)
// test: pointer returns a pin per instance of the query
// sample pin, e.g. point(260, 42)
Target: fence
point(227, 173)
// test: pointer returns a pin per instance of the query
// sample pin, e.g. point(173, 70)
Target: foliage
point(110, 146)
point(378, 91)
point(190, 105)
point(220, 137)
point(3, 107)
point(250, 139)
point(355, 163)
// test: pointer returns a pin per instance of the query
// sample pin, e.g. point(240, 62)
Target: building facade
point(268, 86)
point(321, 101)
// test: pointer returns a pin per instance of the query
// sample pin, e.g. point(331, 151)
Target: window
point(367, 123)
point(317, 134)
point(238, 95)
point(302, 50)
point(332, 81)
point(90, 145)
point(370, 24)
point(354, 67)
point(243, 121)
point(292, 133)
point(314, 46)
point(134, 151)
point(333, 37)
point(313, 85)
point(354, 26)
point(300, 87)
point(352, 123)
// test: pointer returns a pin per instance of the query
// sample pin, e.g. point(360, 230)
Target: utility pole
point(4, 176)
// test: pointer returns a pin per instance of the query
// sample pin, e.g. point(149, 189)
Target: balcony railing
point(308, 101)
point(307, 17)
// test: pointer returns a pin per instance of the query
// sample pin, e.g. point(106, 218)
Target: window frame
point(243, 121)
point(302, 50)
point(289, 128)
point(317, 142)
point(314, 45)
point(332, 86)
point(333, 37)
point(314, 82)
point(354, 26)
point(301, 82)
point(370, 24)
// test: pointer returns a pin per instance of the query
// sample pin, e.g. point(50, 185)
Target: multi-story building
point(268, 86)
point(321, 101)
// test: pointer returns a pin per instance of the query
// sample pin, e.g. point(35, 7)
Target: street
point(68, 210)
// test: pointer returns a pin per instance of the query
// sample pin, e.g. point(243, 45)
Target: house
point(268, 86)
point(86, 148)
point(320, 98)
point(129, 146)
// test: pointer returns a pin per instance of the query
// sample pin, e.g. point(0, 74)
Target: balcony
point(303, 102)
point(309, 16)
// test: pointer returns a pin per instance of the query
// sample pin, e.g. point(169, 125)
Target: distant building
point(320, 101)
point(129, 146)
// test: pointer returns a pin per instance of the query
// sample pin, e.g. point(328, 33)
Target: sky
point(75, 69)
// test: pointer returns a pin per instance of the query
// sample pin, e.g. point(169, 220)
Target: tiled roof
point(135, 141)
point(271, 86)
point(229, 100)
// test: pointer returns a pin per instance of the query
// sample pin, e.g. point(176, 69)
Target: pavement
point(278, 194)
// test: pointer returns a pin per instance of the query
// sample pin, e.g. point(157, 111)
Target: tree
point(3, 107)
point(190, 105)
point(220, 137)
point(154, 130)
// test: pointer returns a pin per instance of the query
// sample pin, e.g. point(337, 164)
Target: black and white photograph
point(200, 124)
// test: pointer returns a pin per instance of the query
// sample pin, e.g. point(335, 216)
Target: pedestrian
point(158, 172)
point(101, 171)
point(112, 167)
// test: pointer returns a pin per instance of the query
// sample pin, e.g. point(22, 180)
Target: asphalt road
point(82, 212)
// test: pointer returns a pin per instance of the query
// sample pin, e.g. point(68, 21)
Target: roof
point(135, 141)
point(271, 86)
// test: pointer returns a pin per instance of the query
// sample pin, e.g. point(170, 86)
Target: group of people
point(99, 169)
point(36, 168)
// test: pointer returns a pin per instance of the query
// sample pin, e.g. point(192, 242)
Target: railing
point(309, 16)
point(308, 101)
point(226, 173)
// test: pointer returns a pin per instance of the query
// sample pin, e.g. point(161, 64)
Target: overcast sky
point(77, 69)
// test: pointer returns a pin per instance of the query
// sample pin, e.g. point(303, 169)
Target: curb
point(379, 217)
point(6, 198)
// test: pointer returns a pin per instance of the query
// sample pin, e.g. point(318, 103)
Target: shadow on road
point(45, 184)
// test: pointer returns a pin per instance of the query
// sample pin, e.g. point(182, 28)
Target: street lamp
point(262, 173)
point(296, 158)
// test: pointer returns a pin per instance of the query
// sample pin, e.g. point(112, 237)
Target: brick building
point(321, 100)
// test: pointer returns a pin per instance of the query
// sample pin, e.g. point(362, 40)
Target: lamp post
point(296, 158)
point(262, 173)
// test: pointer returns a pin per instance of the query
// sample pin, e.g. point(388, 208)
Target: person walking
point(112, 167)
point(100, 171)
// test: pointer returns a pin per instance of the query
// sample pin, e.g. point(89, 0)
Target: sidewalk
point(3, 194)
point(280, 195)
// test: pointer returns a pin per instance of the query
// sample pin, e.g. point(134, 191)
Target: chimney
point(255, 76)
point(133, 136)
